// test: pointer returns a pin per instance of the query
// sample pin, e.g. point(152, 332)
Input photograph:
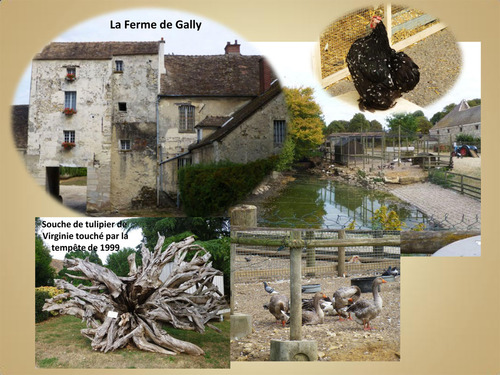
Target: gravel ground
point(439, 59)
point(337, 341)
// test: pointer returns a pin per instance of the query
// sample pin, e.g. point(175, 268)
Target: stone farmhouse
point(462, 119)
point(133, 116)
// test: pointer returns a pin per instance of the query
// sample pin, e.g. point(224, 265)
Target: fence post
point(310, 253)
point(295, 286)
point(341, 259)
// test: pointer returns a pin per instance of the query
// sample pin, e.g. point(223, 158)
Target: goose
point(268, 289)
point(365, 310)
point(345, 296)
point(326, 305)
point(279, 307)
point(317, 316)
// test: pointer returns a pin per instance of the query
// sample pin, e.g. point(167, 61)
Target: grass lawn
point(59, 344)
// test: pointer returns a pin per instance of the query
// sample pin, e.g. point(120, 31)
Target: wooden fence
point(463, 184)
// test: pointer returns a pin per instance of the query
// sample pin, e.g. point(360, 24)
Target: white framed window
point(70, 74)
point(69, 136)
point(118, 66)
point(279, 131)
point(186, 118)
point(125, 144)
point(70, 99)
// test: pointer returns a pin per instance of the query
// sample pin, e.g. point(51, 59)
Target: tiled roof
point(20, 115)
point(212, 122)
point(95, 50)
point(213, 75)
point(462, 114)
point(241, 115)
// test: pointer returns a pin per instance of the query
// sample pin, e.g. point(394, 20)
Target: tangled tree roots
point(123, 310)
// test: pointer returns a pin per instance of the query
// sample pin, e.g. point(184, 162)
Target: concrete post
point(243, 216)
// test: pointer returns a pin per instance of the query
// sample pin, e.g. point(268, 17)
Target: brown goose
point(343, 297)
point(317, 316)
point(365, 310)
point(279, 307)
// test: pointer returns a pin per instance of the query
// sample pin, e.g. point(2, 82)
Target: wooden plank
point(414, 23)
point(419, 36)
point(349, 242)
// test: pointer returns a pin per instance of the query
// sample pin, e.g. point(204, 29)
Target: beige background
point(450, 307)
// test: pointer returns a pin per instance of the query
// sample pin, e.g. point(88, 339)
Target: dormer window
point(70, 74)
point(118, 66)
point(199, 135)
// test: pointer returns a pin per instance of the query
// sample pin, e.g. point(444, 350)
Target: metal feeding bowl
point(311, 288)
point(365, 283)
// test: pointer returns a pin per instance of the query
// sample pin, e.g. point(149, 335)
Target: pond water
point(311, 202)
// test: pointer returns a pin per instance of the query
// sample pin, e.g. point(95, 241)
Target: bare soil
point(337, 341)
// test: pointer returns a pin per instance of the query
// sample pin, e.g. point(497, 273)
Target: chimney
point(232, 48)
point(265, 75)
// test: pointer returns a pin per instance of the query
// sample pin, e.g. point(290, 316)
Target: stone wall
point(173, 142)
point(251, 140)
point(469, 129)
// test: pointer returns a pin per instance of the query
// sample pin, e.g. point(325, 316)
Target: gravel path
point(452, 209)
point(439, 59)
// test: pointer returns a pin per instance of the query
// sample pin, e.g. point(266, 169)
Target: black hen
point(380, 74)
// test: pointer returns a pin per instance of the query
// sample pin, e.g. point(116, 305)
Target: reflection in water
point(310, 202)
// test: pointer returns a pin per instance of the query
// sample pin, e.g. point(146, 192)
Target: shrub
point(208, 189)
point(40, 297)
point(72, 171)
point(468, 139)
point(286, 157)
point(439, 177)
point(51, 292)
point(387, 220)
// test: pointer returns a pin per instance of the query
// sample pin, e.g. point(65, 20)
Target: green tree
point(306, 121)
point(423, 125)
point(404, 124)
point(44, 272)
point(287, 156)
point(336, 126)
point(358, 123)
point(203, 228)
point(439, 115)
point(118, 263)
point(376, 126)
point(474, 102)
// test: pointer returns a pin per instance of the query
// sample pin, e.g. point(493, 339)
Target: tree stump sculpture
point(123, 310)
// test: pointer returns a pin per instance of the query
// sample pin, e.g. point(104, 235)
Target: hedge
point(210, 189)
point(40, 297)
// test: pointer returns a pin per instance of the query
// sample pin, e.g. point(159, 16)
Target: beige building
point(460, 120)
point(127, 113)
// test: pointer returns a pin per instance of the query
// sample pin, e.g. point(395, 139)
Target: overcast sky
point(291, 61)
